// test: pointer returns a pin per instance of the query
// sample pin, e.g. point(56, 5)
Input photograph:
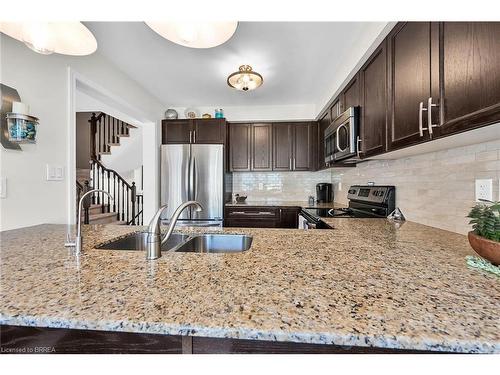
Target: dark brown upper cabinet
point(261, 147)
point(282, 147)
point(469, 76)
point(373, 101)
point(412, 50)
point(323, 123)
point(350, 95)
point(335, 109)
point(176, 131)
point(293, 146)
point(209, 131)
point(302, 146)
point(240, 147)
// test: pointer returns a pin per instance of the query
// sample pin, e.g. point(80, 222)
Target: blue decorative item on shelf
point(219, 113)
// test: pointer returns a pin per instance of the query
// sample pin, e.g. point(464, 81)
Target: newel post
point(132, 199)
point(93, 132)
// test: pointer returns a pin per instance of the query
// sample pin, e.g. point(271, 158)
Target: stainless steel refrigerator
point(193, 172)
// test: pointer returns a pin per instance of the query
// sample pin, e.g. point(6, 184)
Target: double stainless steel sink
point(203, 243)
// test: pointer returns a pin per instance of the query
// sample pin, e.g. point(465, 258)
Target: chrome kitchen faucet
point(154, 240)
point(77, 242)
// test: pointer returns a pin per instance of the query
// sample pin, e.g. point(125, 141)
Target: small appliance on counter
point(324, 192)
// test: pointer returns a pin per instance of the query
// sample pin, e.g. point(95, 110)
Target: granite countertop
point(365, 283)
point(282, 203)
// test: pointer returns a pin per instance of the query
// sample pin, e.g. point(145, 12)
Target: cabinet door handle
point(294, 163)
point(290, 164)
point(190, 136)
point(429, 116)
point(358, 148)
point(194, 136)
point(263, 213)
point(420, 118)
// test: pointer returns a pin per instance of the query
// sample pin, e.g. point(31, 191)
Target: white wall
point(43, 83)
point(259, 112)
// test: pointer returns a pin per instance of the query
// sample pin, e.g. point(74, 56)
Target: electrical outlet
point(484, 189)
point(339, 186)
point(261, 186)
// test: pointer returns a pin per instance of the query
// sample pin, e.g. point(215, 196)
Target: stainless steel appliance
point(364, 202)
point(324, 192)
point(193, 172)
point(341, 137)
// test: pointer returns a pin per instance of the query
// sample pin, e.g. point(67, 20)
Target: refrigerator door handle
point(191, 179)
point(195, 179)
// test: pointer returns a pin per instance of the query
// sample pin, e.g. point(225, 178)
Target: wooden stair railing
point(126, 203)
point(105, 131)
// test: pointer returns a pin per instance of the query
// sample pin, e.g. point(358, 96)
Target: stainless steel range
point(365, 201)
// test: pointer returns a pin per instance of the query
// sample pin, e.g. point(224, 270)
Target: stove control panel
point(371, 194)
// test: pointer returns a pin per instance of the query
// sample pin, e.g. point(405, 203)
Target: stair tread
point(100, 216)
point(123, 135)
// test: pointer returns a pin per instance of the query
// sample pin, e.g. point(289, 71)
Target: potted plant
point(485, 235)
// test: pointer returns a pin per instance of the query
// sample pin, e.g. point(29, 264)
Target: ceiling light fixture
point(195, 34)
point(66, 38)
point(245, 79)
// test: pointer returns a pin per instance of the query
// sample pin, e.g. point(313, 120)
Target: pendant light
point(245, 79)
point(66, 38)
point(195, 34)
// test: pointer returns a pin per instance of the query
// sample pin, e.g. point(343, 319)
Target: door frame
point(116, 106)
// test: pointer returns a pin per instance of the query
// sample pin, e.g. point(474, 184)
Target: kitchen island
point(366, 284)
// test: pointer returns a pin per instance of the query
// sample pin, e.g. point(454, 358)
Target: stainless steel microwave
point(342, 138)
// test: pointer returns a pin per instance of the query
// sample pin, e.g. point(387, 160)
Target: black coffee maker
point(324, 192)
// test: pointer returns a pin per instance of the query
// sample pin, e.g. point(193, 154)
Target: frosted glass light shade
point(66, 38)
point(195, 34)
point(245, 79)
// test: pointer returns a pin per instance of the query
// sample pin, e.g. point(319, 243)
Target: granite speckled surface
point(366, 283)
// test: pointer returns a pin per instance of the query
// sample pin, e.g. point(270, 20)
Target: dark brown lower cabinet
point(261, 217)
point(33, 340)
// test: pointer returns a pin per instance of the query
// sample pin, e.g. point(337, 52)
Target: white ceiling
point(300, 61)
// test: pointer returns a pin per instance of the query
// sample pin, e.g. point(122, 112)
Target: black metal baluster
point(103, 208)
point(114, 192)
point(109, 191)
point(92, 169)
point(97, 183)
point(123, 199)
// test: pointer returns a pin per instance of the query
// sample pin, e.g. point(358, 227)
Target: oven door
point(346, 134)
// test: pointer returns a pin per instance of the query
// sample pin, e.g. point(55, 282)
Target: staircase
point(126, 207)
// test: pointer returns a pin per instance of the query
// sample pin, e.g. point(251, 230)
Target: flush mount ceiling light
point(245, 79)
point(195, 34)
point(66, 38)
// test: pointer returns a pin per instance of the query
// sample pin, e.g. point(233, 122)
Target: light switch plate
point(3, 187)
point(484, 189)
point(55, 173)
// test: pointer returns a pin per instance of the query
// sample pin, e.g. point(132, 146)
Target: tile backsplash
point(290, 186)
point(436, 189)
